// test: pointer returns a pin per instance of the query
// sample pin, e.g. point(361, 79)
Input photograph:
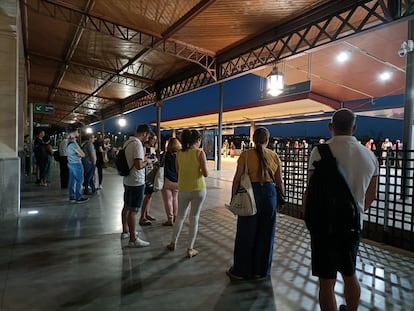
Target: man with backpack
point(134, 184)
point(334, 208)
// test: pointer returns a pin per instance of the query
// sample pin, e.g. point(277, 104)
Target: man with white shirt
point(360, 168)
point(134, 184)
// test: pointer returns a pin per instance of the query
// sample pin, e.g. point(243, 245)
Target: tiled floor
point(70, 257)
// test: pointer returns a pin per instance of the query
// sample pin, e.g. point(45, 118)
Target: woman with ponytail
point(191, 165)
point(253, 248)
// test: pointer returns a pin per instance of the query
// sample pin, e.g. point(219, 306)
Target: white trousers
point(193, 200)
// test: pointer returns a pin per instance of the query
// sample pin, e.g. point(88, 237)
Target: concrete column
point(220, 127)
point(13, 119)
point(158, 105)
point(252, 129)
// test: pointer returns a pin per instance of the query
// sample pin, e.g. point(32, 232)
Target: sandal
point(145, 222)
point(234, 277)
point(171, 246)
point(167, 223)
point(149, 217)
point(192, 252)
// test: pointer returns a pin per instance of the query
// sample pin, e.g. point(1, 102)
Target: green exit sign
point(42, 108)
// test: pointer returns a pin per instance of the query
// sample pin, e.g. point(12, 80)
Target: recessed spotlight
point(343, 56)
point(386, 75)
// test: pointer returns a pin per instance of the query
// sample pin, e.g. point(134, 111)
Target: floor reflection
point(70, 257)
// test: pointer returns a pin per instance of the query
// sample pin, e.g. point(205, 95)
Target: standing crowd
point(390, 153)
point(77, 163)
point(184, 191)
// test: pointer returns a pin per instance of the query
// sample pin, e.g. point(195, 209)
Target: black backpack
point(331, 210)
point(121, 162)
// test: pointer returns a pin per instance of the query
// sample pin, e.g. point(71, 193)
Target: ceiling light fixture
point(122, 121)
point(275, 82)
point(343, 56)
point(386, 75)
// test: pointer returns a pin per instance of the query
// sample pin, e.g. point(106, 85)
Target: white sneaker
point(125, 235)
point(138, 243)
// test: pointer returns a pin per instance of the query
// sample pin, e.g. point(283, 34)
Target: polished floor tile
point(70, 257)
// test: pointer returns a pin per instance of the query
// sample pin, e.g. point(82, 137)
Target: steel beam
point(322, 26)
point(69, 53)
point(107, 76)
point(133, 72)
point(334, 21)
point(87, 21)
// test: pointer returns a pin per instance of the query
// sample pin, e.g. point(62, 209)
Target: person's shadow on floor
point(247, 296)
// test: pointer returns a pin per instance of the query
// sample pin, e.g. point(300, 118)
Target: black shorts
point(332, 255)
point(133, 197)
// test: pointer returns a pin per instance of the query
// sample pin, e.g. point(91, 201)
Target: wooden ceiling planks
point(207, 25)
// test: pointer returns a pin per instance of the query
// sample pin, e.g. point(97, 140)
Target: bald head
point(343, 122)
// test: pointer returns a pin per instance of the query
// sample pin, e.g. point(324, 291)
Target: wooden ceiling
point(95, 59)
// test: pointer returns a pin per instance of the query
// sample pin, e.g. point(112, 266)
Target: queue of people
point(77, 163)
point(254, 241)
point(184, 192)
point(393, 152)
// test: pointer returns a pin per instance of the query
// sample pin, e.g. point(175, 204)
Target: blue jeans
point(253, 248)
point(89, 174)
point(75, 180)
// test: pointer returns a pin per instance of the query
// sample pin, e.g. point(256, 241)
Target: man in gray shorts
point(134, 184)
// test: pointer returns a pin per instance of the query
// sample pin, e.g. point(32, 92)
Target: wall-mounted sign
point(42, 108)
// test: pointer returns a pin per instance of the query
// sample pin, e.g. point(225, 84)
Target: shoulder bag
point(156, 176)
point(243, 203)
point(159, 175)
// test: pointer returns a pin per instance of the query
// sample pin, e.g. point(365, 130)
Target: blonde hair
point(173, 145)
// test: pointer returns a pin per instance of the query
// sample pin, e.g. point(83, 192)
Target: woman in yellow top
point(192, 168)
point(253, 248)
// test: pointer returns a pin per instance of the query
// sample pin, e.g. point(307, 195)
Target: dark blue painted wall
point(247, 89)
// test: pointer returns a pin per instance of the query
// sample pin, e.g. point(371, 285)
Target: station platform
point(70, 257)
